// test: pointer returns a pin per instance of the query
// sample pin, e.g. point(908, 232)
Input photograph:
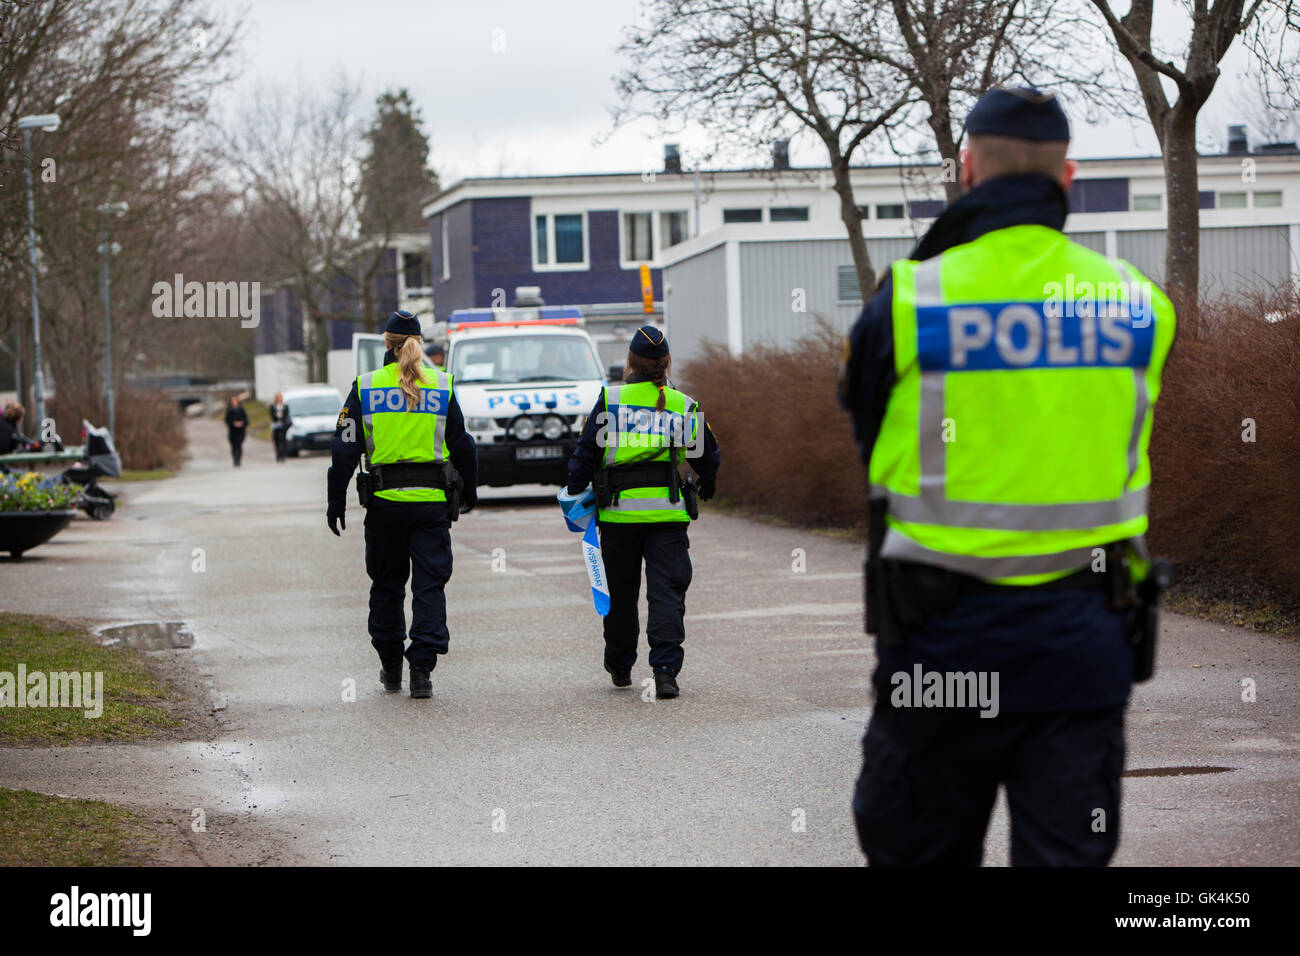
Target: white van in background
point(314, 411)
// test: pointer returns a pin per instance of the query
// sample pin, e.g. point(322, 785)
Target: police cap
point(1020, 113)
point(649, 342)
point(402, 322)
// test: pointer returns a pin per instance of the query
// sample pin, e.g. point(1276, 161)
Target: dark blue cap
point(402, 322)
point(649, 342)
point(433, 348)
point(1020, 113)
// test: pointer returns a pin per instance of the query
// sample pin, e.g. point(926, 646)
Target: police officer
point(1003, 406)
point(437, 355)
point(405, 419)
point(635, 438)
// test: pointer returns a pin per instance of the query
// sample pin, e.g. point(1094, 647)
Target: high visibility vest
point(636, 432)
point(1014, 442)
point(395, 433)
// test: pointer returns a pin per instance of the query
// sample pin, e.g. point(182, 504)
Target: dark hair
point(639, 369)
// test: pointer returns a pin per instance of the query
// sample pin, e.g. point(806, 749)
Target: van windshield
point(508, 359)
point(304, 406)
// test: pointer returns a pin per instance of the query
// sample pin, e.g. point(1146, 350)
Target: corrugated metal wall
point(695, 302)
point(1232, 259)
point(1096, 241)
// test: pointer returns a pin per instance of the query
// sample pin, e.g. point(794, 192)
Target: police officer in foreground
point(422, 475)
point(635, 440)
point(1003, 405)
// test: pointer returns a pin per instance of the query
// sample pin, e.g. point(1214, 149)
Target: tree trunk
point(1183, 217)
point(949, 161)
point(852, 220)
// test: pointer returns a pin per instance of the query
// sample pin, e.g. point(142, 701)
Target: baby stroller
point(99, 459)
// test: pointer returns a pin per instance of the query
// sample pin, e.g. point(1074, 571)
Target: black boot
point(421, 684)
point(665, 685)
point(390, 675)
point(620, 678)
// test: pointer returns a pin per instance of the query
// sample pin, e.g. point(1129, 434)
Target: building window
point(638, 243)
point(742, 215)
point(560, 241)
point(1099, 195)
point(925, 208)
point(788, 214)
point(1205, 198)
point(1232, 200)
point(415, 272)
point(1150, 202)
point(889, 210)
point(864, 212)
point(1271, 200)
point(446, 250)
point(673, 227)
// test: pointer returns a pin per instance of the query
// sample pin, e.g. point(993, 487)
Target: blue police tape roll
point(578, 508)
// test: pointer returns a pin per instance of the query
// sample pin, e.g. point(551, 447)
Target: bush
point(787, 446)
point(150, 431)
point(1226, 508)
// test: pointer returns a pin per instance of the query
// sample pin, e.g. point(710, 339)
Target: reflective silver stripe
point(1017, 517)
point(1141, 399)
point(899, 547)
point(611, 427)
point(933, 449)
point(647, 504)
point(441, 381)
point(363, 383)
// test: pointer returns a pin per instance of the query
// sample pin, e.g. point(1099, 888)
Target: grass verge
point(149, 474)
point(41, 830)
point(133, 705)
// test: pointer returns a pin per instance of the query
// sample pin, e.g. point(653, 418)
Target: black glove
point(335, 514)
point(707, 489)
point(468, 499)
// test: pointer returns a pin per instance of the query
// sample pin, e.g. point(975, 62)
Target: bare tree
point(297, 157)
point(1214, 27)
point(753, 71)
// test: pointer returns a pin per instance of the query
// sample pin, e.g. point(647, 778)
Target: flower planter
point(23, 530)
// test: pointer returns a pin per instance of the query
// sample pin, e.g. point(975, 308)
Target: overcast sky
point(510, 87)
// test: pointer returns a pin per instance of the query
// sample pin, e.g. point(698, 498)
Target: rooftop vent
point(528, 295)
point(672, 158)
point(1237, 141)
point(781, 154)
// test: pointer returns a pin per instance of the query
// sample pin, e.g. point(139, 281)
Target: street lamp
point(48, 122)
point(116, 210)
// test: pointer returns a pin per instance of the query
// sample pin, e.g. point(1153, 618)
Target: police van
point(525, 379)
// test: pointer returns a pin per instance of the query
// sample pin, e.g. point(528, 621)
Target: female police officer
point(634, 439)
point(404, 417)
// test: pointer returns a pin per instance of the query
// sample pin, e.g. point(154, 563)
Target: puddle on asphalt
point(149, 636)
point(1174, 771)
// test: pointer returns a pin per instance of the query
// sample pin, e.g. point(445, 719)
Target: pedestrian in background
point(236, 427)
point(280, 422)
point(12, 438)
point(1005, 433)
point(437, 355)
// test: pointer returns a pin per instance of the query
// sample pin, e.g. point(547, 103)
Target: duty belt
point(408, 474)
point(609, 482)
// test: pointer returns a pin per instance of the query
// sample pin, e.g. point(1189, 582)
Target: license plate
point(529, 453)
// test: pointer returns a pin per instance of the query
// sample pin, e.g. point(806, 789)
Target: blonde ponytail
point(410, 361)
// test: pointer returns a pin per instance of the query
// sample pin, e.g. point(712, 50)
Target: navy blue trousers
point(409, 539)
point(930, 777)
point(665, 549)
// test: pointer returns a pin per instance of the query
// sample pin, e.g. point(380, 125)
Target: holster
point(454, 488)
point(691, 493)
point(1145, 623)
point(365, 488)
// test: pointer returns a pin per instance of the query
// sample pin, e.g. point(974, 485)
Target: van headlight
point(523, 428)
point(479, 424)
point(552, 427)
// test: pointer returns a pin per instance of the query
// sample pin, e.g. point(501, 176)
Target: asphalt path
point(526, 753)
